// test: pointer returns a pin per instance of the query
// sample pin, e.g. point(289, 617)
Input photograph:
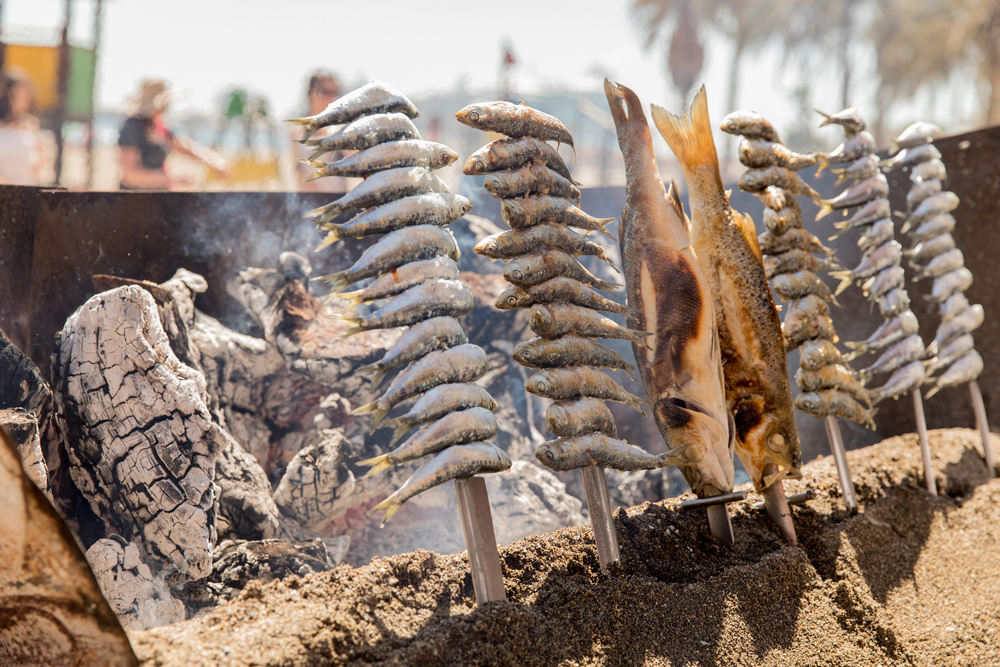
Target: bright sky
point(270, 47)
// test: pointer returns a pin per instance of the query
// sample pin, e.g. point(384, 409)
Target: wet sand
point(910, 580)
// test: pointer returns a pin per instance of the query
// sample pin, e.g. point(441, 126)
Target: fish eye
point(776, 441)
point(492, 246)
point(479, 164)
point(474, 115)
point(517, 273)
point(549, 455)
point(528, 354)
point(542, 386)
point(512, 300)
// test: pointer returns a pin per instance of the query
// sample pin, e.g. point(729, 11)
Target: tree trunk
point(734, 83)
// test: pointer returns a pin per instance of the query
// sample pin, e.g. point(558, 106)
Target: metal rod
point(720, 524)
point(477, 524)
point(840, 459)
point(797, 499)
point(983, 426)
point(777, 509)
point(602, 516)
point(713, 500)
point(925, 447)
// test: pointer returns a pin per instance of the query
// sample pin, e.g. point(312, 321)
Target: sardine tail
point(378, 373)
point(319, 173)
point(845, 280)
point(690, 138)
point(377, 464)
point(932, 391)
point(825, 209)
point(390, 505)
point(328, 241)
point(609, 286)
point(905, 227)
point(636, 403)
point(874, 396)
point(338, 282)
point(350, 331)
point(400, 426)
point(823, 162)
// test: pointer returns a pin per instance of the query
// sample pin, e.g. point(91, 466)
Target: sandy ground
point(910, 580)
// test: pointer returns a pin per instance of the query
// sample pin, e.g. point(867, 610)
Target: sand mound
point(911, 580)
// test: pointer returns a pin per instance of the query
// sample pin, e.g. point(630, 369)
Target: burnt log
point(21, 426)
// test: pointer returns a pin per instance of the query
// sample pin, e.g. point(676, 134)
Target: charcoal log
point(22, 427)
point(244, 508)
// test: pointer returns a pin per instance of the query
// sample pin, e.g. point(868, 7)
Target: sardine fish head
point(488, 247)
point(445, 156)
point(492, 404)
point(477, 164)
point(546, 455)
point(512, 211)
point(472, 115)
point(465, 204)
point(538, 384)
point(539, 318)
point(514, 270)
point(524, 355)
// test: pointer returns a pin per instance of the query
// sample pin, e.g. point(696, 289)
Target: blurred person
point(145, 142)
point(20, 144)
point(324, 88)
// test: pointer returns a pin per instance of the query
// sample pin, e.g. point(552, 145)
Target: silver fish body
point(872, 212)
point(779, 222)
point(894, 302)
point(794, 260)
point(921, 190)
point(431, 298)
point(548, 236)
point(931, 169)
point(511, 154)
point(946, 262)
point(559, 383)
point(473, 424)
point(938, 224)
point(597, 449)
point(372, 98)
point(886, 255)
point(897, 355)
point(904, 380)
point(774, 244)
point(942, 202)
point(918, 133)
point(910, 156)
point(751, 125)
point(403, 278)
point(958, 280)
point(438, 402)
point(855, 147)
point(834, 376)
point(568, 350)
point(552, 320)
point(883, 282)
point(799, 284)
point(965, 322)
point(801, 328)
point(390, 155)
point(439, 333)
point(966, 369)
point(533, 178)
point(570, 418)
point(826, 402)
point(431, 208)
point(927, 250)
point(903, 325)
point(540, 266)
point(756, 180)
point(954, 305)
point(558, 289)
point(849, 119)
point(871, 188)
point(531, 211)
point(950, 352)
point(757, 153)
point(879, 232)
point(819, 352)
point(366, 132)
point(859, 170)
point(380, 188)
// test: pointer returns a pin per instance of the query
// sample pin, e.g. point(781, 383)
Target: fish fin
point(845, 280)
point(871, 418)
point(390, 505)
point(319, 173)
point(328, 240)
point(351, 305)
point(400, 429)
point(609, 286)
point(690, 138)
point(350, 331)
point(308, 123)
point(606, 232)
point(905, 227)
point(337, 281)
point(321, 213)
point(825, 209)
point(613, 267)
point(374, 410)
point(823, 162)
point(378, 376)
point(932, 391)
point(874, 396)
point(841, 178)
point(855, 345)
point(749, 233)
point(636, 403)
point(628, 371)
point(377, 464)
point(828, 118)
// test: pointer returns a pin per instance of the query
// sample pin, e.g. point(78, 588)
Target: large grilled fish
point(681, 371)
point(756, 375)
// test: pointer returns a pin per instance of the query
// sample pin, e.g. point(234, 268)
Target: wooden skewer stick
point(602, 516)
point(777, 508)
point(840, 459)
point(480, 540)
point(983, 426)
point(718, 515)
point(925, 447)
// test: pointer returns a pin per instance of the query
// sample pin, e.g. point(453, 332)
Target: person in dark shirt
point(145, 142)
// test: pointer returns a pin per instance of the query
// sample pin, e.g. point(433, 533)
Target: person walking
point(20, 144)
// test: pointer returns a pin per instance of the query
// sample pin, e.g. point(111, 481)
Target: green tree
point(685, 53)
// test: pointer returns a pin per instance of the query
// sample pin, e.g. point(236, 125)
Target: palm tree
point(685, 53)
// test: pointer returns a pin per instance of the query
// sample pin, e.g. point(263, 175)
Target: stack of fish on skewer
point(929, 222)
point(880, 267)
point(793, 258)
point(414, 267)
point(540, 204)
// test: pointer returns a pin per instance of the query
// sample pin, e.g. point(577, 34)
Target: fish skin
point(512, 153)
point(888, 254)
point(946, 262)
point(552, 320)
point(801, 283)
point(849, 119)
point(872, 212)
point(401, 279)
point(462, 363)
point(574, 382)
point(858, 146)
point(779, 222)
point(756, 373)
point(365, 132)
point(680, 364)
point(965, 369)
point(802, 328)
point(757, 180)
point(819, 352)
point(883, 282)
point(758, 153)
point(859, 170)
point(453, 463)
point(437, 403)
point(826, 402)
point(515, 121)
point(921, 190)
point(537, 267)
point(532, 211)
point(751, 125)
point(547, 236)
point(952, 306)
point(903, 380)
point(597, 449)
point(894, 302)
point(558, 289)
point(903, 325)
point(914, 155)
point(409, 244)
point(965, 322)
point(390, 155)
point(568, 350)
point(794, 260)
point(431, 298)
point(942, 202)
point(774, 244)
point(929, 170)
point(931, 248)
point(879, 232)
point(372, 98)
point(438, 333)
point(569, 418)
point(777, 199)
point(950, 352)
point(533, 178)
point(958, 280)
point(432, 208)
point(460, 427)
point(897, 355)
point(834, 376)
point(918, 133)
point(380, 188)
point(867, 190)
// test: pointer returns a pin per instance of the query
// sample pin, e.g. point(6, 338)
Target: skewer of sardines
point(929, 221)
point(793, 260)
point(416, 284)
point(880, 271)
point(569, 306)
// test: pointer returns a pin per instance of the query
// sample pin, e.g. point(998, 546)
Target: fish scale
point(414, 266)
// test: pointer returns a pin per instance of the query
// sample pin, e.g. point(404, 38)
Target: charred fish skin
point(574, 382)
point(432, 208)
point(756, 372)
point(817, 353)
point(558, 289)
point(432, 298)
point(437, 403)
point(453, 463)
point(512, 153)
point(372, 98)
point(568, 350)
point(438, 333)
point(826, 402)
point(757, 180)
point(600, 450)
point(390, 155)
point(836, 377)
point(366, 132)
point(381, 188)
point(515, 121)
point(758, 153)
point(775, 244)
point(569, 418)
point(671, 296)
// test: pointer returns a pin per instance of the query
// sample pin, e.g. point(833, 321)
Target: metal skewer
point(602, 516)
point(840, 459)
point(777, 507)
point(718, 514)
point(797, 499)
point(481, 541)
point(925, 447)
point(983, 426)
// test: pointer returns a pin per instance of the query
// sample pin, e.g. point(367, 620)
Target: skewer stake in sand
point(481, 541)
point(983, 426)
point(777, 508)
point(718, 515)
point(840, 458)
point(601, 516)
point(925, 447)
